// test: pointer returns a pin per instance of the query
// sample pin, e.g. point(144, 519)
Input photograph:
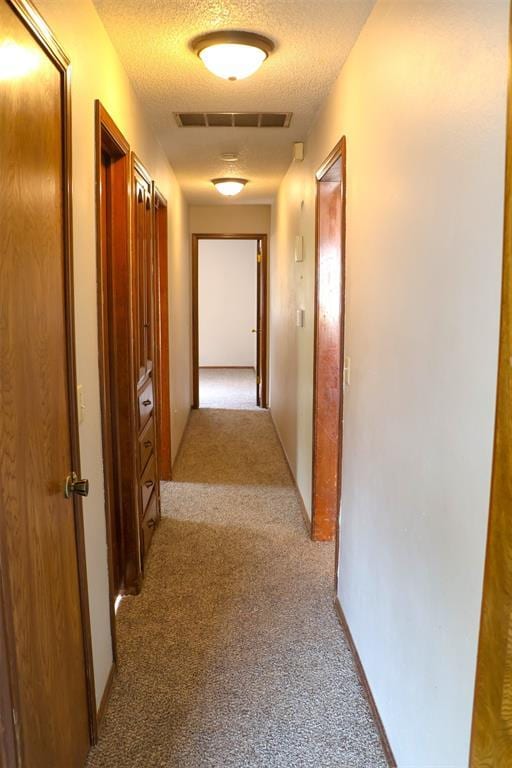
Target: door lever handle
point(75, 485)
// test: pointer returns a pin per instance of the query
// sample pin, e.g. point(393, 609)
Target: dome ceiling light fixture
point(229, 186)
point(233, 54)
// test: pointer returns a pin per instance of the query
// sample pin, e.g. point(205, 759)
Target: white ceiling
point(312, 40)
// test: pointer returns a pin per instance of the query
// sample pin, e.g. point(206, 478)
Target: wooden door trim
point(338, 153)
point(499, 533)
point(162, 335)
point(137, 167)
point(140, 168)
point(43, 35)
point(196, 237)
point(106, 132)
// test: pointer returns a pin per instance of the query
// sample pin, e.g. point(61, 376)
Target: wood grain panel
point(7, 730)
point(146, 304)
point(146, 444)
point(143, 269)
point(115, 331)
point(162, 336)
point(39, 535)
point(328, 387)
point(149, 523)
point(492, 714)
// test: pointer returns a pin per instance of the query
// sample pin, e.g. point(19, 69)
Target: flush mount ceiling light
point(232, 55)
point(228, 186)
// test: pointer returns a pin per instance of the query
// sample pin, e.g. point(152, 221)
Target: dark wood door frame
point(114, 340)
point(10, 743)
point(162, 335)
point(263, 321)
point(328, 410)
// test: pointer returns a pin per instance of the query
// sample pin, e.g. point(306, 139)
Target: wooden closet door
point(39, 572)
point(143, 272)
point(139, 234)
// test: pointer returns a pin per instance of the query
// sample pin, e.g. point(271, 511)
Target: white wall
point(422, 102)
point(227, 302)
point(230, 219)
point(97, 73)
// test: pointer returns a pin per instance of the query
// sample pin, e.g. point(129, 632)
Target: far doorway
point(230, 321)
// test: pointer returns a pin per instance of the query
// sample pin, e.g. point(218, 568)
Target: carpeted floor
point(232, 656)
point(227, 388)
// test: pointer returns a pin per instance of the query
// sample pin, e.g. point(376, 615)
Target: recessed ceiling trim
point(233, 119)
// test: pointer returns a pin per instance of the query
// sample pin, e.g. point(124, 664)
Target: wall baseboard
point(388, 752)
point(181, 440)
point(228, 367)
point(307, 520)
point(106, 696)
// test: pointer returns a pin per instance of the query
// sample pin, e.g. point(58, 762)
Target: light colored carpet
point(232, 656)
point(227, 388)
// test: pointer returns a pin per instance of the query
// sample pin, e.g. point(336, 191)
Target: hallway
point(232, 388)
point(233, 656)
point(256, 279)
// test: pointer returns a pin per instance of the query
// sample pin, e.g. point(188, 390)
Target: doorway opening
point(229, 320)
point(328, 346)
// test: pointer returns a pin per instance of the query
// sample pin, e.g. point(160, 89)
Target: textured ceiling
point(312, 40)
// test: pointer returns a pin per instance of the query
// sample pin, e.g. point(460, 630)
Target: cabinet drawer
point(145, 403)
point(147, 484)
point(149, 523)
point(146, 443)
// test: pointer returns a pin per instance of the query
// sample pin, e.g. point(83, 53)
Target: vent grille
point(233, 119)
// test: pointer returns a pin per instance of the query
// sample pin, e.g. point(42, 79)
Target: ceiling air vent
point(233, 119)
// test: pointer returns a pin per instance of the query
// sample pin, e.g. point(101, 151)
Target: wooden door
point(40, 536)
point(328, 392)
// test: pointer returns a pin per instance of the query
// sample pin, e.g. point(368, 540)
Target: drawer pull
point(146, 402)
point(148, 444)
point(148, 483)
point(151, 523)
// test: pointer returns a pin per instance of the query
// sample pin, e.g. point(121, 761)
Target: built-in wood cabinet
point(145, 347)
point(132, 307)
